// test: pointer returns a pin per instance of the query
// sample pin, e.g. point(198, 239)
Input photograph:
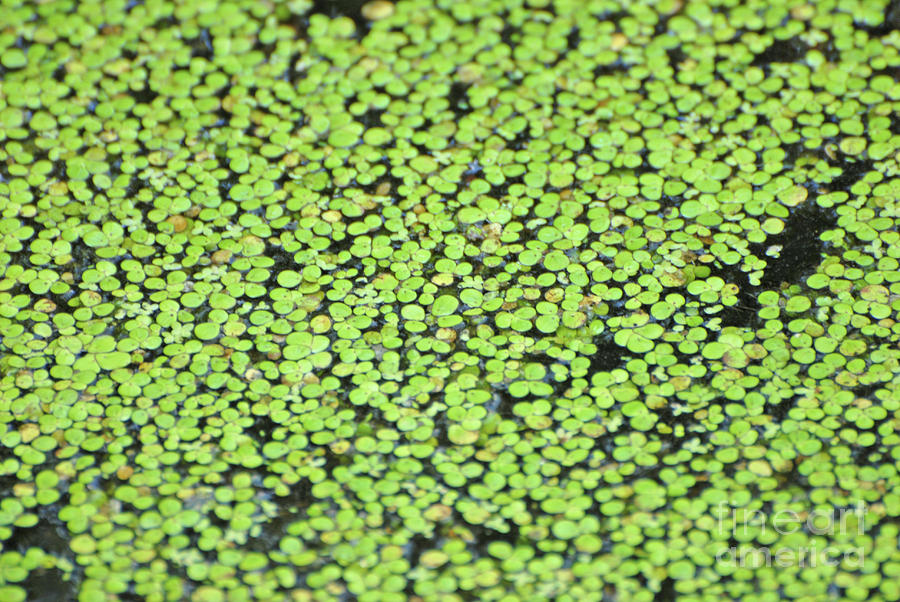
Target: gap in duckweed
point(667, 591)
point(609, 356)
point(782, 51)
point(352, 9)
point(781, 409)
point(795, 252)
point(457, 96)
point(798, 249)
point(275, 528)
point(890, 23)
point(49, 534)
point(49, 585)
point(852, 172)
point(866, 391)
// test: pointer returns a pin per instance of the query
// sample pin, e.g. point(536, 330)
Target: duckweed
point(431, 300)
